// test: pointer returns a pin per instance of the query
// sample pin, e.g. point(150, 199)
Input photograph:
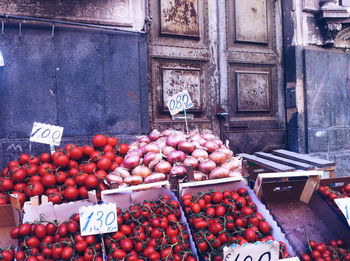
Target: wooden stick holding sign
point(180, 102)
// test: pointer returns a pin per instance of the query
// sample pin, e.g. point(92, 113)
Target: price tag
point(258, 251)
point(46, 133)
point(179, 102)
point(98, 219)
point(344, 206)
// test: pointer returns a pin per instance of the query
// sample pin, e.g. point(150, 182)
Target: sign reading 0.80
point(179, 102)
point(98, 219)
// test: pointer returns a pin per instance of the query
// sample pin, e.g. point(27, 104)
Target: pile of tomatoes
point(151, 231)
point(219, 219)
point(66, 175)
point(330, 193)
point(50, 241)
point(334, 251)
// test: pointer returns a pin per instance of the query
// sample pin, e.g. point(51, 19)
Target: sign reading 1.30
point(98, 219)
point(179, 102)
point(46, 133)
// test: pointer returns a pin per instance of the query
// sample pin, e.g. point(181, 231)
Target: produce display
point(219, 219)
point(330, 193)
point(66, 175)
point(334, 251)
point(51, 241)
point(154, 157)
point(150, 231)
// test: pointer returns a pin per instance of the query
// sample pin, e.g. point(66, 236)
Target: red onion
point(200, 154)
point(133, 146)
point(208, 136)
point(176, 156)
point(155, 161)
point(191, 162)
point(131, 161)
point(196, 137)
point(151, 147)
point(137, 152)
point(174, 139)
point(161, 142)
point(217, 141)
point(167, 149)
point(232, 163)
point(211, 146)
point(199, 176)
point(206, 166)
point(122, 172)
point(178, 170)
point(228, 152)
point(163, 167)
point(186, 146)
point(143, 139)
point(167, 132)
point(218, 157)
point(141, 171)
point(149, 157)
point(219, 173)
point(154, 135)
point(114, 179)
point(197, 144)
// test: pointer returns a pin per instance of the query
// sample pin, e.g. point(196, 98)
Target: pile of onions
point(157, 156)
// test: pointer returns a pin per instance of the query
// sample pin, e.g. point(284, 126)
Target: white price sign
point(344, 205)
point(98, 219)
point(259, 251)
point(179, 102)
point(46, 133)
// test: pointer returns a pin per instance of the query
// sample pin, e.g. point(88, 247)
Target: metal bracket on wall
point(2, 27)
point(20, 29)
point(53, 31)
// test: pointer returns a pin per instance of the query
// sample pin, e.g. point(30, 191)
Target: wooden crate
point(284, 161)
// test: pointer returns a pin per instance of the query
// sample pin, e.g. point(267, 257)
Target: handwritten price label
point(46, 133)
point(98, 219)
point(253, 252)
point(179, 102)
point(344, 206)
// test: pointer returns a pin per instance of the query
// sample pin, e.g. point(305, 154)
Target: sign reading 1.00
point(179, 102)
point(46, 133)
point(98, 219)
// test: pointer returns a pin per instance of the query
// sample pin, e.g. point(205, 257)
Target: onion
point(114, 179)
point(218, 157)
point(211, 146)
point(199, 176)
point(208, 136)
point(235, 173)
point(137, 152)
point(174, 139)
point(167, 132)
point(143, 139)
point(190, 162)
point(155, 177)
point(141, 171)
point(228, 152)
point(217, 141)
point(154, 135)
point(206, 166)
point(133, 180)
point(178, 170)
point(200, 154)
point(167, 149)
point(131, 161)
point(197, 144)
point(219, 173)
point(149, 157)
point(163, 167)
point(176, 156)
point(151, 147)
point(232, 163)
point(196, 137)
point(155, 161)
point(122, 172)
point(186, 146)
point(134, 146)
point(161, 142)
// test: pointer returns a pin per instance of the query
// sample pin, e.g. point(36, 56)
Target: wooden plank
point(321, 163)
point(137, 187)
point(210, 182)
point(268, 164)
point(289, 162)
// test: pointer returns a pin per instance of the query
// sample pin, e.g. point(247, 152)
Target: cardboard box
point(124, 199)
point(234, 184)
point(300, 212)
point(9, 218)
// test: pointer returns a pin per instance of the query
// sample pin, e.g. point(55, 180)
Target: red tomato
point(99, 140)
point(104, 163)
point(250, 235)
point(34, 189)
point(217, 197)
point(91, 182)
point(45, 157)
point(71, 193)
point(48, 180)
point(62, 160)
point(123, 148)
point(76, 153)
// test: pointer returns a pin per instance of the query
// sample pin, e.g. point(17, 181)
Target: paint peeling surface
point(179, 17)
point(177, 80)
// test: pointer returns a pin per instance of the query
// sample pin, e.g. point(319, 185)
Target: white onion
point(206, 166)
point(190, 162)
point(141, 171)
point(200, 154)
point(163, 167)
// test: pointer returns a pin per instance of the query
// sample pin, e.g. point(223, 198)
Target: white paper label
point(344, 206)
point(258, 251)
point(98, 219)
point(46, 133)
point(179, 102)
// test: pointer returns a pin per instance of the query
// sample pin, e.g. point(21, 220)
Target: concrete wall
point(87, 81)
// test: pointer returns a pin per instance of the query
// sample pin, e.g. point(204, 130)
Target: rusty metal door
point(228, 55)
point(251, 75)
